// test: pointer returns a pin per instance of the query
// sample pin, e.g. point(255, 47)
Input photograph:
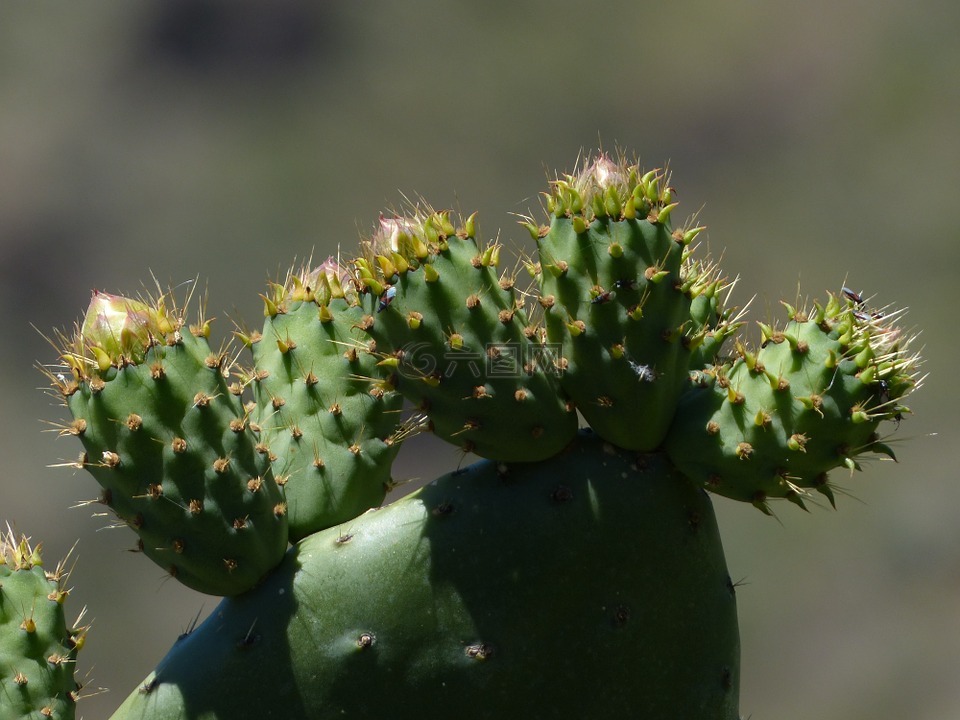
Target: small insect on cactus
point(573, 572)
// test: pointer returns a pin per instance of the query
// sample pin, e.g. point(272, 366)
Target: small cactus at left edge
point(329, 415)
point(38, 648)
point(171, 445)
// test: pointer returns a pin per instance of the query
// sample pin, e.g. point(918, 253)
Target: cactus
point(610, 278)
point(562, 563)
point(38, 649)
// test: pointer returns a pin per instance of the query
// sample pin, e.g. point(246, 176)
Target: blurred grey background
point(223, 139)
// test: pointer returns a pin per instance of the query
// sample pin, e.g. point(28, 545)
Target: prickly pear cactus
point(457, 332)
point(327, 412)
point(592, 584)
point(38, 648)
point(171, 445)
point(569, 574)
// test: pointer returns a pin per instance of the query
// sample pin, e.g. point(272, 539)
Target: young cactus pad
point(618, 286)
point(171, 445)
point(772, 422)
point(456, 330)
point(328, 414)
point(38, 649)
point(592, 584)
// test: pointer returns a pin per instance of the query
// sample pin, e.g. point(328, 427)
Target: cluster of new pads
point(641, 327)
point(38, 648)
point(633, 337)
point(215, 483)
point(218, 463)
point(216, 467)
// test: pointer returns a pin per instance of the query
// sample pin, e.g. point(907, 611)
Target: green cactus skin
point(459, 337)
point(589, 585)
point(329, 415)
point(171, 445)
point(773, 422)
point(617, 286)
point(38, 649)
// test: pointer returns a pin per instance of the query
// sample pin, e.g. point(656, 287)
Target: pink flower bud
point(116, 326)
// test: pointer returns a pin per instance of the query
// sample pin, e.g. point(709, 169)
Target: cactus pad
point(618, 287)
point(575, 587)
point(773, 422)
point(171, 445)
point(328, 414)
point(457, 333)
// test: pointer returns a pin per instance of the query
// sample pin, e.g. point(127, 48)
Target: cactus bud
point(115, 327)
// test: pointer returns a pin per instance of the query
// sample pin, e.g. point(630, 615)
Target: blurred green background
point(224, 139)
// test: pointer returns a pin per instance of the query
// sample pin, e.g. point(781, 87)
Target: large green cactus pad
point(589, 585)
